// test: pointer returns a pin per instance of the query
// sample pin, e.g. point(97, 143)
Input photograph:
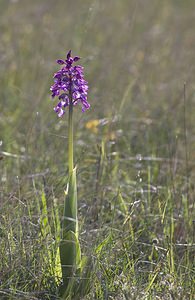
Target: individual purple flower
point(69, 86)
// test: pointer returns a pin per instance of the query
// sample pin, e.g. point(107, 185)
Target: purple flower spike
point(69, 85)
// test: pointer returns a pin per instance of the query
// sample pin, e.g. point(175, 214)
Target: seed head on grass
point(69, 85)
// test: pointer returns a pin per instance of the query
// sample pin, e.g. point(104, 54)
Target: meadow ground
point(134, 148)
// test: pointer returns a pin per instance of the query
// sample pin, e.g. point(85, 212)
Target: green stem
point(70, 139)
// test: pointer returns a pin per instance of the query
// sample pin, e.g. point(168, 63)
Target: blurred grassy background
point(137, 56)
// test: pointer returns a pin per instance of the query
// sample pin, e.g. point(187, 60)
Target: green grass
point(136, 168)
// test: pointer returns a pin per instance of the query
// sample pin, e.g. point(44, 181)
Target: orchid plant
point(71, 89)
